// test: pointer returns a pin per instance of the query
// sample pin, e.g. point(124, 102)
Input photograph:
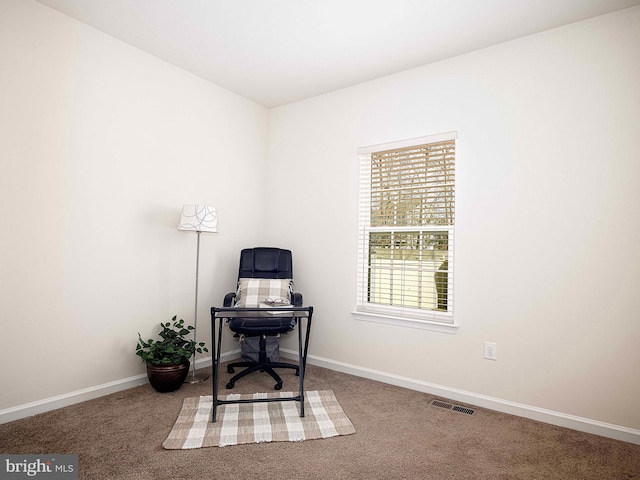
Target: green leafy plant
point(173, 348)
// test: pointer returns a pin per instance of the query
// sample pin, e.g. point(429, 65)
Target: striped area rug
point(242, 423)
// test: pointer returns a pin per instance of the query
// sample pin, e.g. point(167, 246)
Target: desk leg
point(302, 354)
point(301, 366)
point(216, 366)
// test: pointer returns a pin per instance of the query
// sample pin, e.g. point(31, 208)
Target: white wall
point(100, 147)
point(547, 214)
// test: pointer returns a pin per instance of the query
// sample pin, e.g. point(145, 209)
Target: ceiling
point(280, 51)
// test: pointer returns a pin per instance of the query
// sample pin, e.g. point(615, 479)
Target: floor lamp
point(197, 218)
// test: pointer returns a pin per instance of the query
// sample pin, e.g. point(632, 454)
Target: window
point(406, 231)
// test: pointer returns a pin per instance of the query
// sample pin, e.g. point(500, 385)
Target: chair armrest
point(297, 299)
point(229, 299)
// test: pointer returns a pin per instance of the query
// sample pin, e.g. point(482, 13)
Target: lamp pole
point(197, 218)
point(201, 377)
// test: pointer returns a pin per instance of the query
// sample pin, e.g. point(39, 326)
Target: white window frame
point(434, 320)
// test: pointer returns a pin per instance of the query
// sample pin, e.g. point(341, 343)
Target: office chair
point(263, 263)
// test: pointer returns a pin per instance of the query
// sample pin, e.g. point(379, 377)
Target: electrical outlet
point(490, 351)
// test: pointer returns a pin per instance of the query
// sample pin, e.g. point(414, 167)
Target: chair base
point(263, 365)
point(267, 367)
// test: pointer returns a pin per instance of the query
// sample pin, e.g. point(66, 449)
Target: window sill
point(450, 328)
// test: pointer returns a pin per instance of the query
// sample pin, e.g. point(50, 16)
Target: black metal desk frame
point(225, 313)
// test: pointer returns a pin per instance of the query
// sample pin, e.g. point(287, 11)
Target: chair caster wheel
point(230, 385)
point(278, 386)
point(230, 369)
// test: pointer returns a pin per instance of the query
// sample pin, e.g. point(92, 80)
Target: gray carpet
point(399, 435)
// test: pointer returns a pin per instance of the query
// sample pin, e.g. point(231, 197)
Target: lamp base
point(196, 377)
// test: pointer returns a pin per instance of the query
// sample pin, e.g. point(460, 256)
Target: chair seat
point(264, 326)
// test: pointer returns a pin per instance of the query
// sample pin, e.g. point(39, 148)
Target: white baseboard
point(587, 425)
point(59, 401)
point(527, 411)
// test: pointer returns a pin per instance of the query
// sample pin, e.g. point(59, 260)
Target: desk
point(296, 314)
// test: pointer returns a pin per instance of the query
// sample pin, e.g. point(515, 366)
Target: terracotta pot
point(167, 378)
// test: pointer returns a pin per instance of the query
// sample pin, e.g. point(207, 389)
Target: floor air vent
point(450, 406)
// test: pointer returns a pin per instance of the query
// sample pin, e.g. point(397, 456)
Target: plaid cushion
point(254, 291)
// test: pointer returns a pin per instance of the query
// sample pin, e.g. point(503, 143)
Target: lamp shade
point(198, 218)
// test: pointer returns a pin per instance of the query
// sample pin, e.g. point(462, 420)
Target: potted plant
point(167, 359)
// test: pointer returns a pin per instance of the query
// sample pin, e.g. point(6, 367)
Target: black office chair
point(263, 263)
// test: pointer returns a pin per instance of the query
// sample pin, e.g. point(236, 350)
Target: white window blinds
point(406, 227)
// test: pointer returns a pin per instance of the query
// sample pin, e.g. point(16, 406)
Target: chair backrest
point(265, 262)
